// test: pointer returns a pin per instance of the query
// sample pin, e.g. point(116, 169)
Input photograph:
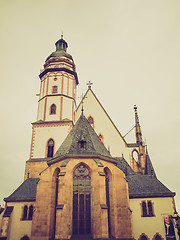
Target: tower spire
point(139, 141)
point(137, 128)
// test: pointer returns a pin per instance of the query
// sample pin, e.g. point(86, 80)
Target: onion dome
point(61, 46)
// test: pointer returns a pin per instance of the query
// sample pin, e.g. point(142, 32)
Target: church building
point(83, 180)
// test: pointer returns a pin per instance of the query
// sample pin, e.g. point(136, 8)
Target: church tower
point(56, 107)
point(57, 102)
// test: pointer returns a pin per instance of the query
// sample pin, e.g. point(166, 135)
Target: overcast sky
point(130, 50)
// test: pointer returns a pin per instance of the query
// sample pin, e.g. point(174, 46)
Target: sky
point(128, 49)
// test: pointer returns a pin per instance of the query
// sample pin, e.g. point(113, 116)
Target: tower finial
point(62, 35)
point(137, 127)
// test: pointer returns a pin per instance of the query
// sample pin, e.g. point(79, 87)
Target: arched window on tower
point(54, 89)
point(50, 148)
point(53, 109)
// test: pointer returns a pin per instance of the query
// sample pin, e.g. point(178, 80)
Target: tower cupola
point(61, 44)
point(61, 47)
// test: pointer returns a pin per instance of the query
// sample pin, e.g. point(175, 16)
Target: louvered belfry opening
point(81, 200)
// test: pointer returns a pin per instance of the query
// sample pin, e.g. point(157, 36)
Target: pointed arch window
point(144, 209)
point(135, 155)
point(53, 109)
point(158, 237)
point(25, 211)
point(30, 212)
point(147, 209)
point(150, 209)
point(143, 237)
point(50, 148)
point(81, 200)
point(108, 199)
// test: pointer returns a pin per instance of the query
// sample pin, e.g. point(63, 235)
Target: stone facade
point(121, 227)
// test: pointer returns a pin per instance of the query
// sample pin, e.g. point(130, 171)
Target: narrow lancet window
point(25, 210)
point(108, 199)
point(150, 209)
point(53, 109)
point(144, 209)
point(30, 212)
point(50, 148)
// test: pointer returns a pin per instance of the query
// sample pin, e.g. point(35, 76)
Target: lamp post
point(176, 217)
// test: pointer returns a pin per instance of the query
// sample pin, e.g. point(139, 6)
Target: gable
point(103, 125)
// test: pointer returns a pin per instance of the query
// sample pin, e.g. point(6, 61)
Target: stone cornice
point(52, 123)
point(59, 69)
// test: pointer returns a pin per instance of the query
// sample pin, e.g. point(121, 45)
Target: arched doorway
point(81, 200)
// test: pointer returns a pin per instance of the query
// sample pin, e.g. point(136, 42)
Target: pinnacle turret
point(137, 128)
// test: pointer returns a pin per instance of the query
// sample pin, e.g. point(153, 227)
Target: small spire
point(62, 35)
point(89, 84)
point(82, 109)
point(82, 100)
point(137, 127)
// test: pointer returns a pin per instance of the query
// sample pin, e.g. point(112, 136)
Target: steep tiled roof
point(124, 166)
point(8, 211)
point(146, 186)
point(25, 192)
point(82, 140)
point(149, 170)
point(140, 186)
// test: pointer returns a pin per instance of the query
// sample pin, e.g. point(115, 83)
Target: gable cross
point(89, 84)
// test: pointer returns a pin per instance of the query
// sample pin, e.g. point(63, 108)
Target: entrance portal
point(81, 200)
